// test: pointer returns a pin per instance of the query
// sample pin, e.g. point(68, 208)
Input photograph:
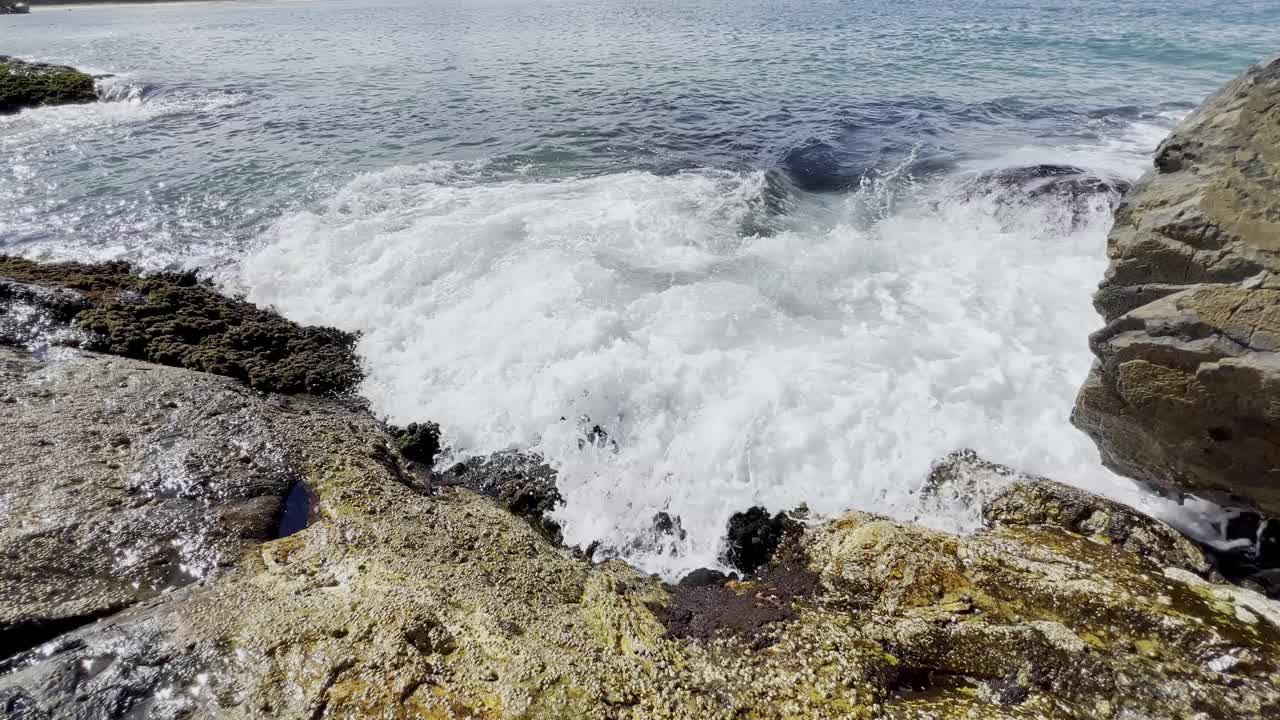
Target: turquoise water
point(784, 252)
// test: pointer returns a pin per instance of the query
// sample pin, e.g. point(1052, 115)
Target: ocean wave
point(827, 362)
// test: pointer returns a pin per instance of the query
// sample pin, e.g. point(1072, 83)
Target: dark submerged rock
point(175, 319)
point(1046, 180)
point(748, 610)
point(27, 85)
point(705, 576)
point(419, 442)
point(521, 482)
point(753, 537)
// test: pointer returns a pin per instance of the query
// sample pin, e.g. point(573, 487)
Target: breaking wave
point(742, 339)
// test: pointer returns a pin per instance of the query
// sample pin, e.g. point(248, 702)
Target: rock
point(962, 479)
point(1185, 393)
point(419, 442)
point(174, 319)
point(31, 315)
point(27, 85)
point(1045, 502)
point(397, 604)
point(123, 479)
point(753, 537)
point(705, 576)
point(521, 482)
point(1066, 186)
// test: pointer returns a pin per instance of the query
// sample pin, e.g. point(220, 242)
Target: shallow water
point(760, 244)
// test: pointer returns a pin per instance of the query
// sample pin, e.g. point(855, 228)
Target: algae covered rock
point(174, 319)
point(1185, 393)
point(397, 604)
point(26, 85)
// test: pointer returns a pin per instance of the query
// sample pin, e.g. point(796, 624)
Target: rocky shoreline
point(202, 521)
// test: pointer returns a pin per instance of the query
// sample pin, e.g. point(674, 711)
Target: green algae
point(175, 319)
point(27, 85)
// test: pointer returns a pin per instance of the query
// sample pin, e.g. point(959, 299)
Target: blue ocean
point(782, 251)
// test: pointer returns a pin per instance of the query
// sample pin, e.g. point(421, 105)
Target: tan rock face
point(1185, 393)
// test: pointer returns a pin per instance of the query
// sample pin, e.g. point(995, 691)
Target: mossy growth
point(176, 319)
point(25, 85)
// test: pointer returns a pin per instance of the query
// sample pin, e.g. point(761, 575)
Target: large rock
point(395, 604)
point(121, 480)
point(26, 85)
point(1185, 393)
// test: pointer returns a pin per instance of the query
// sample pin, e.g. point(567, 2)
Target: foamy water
point(828, 363)
point(784, 269)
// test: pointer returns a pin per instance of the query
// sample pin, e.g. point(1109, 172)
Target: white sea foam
point(828, 363)
point(123, 104)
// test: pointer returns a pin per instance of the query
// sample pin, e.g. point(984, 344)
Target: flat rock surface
point(1185, 393)
point(122, 479)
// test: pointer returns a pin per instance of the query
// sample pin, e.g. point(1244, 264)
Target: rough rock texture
point(1185, 393)
point(520, 482)
point(396, 604)
point(173, 319)
point(753, 537)
point(120, 479)
point(25, 85)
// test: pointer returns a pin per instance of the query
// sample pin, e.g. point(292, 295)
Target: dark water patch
point(708, 610)
point(297, 513)
point(19, 636)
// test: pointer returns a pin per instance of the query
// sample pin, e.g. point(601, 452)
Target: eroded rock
point(1185, 393)
point(27, 85)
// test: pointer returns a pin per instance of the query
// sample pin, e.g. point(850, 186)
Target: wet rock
point(1185, 393)
point(964, 479)
point(1254, 558)
point(122, 479)
point(130, 665)
point(174, 319)
point(1044, 502)
point(27, 85)
point(32, 314)
point(521, 482)
point(753, 537)
point(705, 576)
point(398, 604)
point(419, 442)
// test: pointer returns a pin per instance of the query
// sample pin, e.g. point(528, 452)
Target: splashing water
point(827, 363)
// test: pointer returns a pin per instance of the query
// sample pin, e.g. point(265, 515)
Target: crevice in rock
point(19, 637)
